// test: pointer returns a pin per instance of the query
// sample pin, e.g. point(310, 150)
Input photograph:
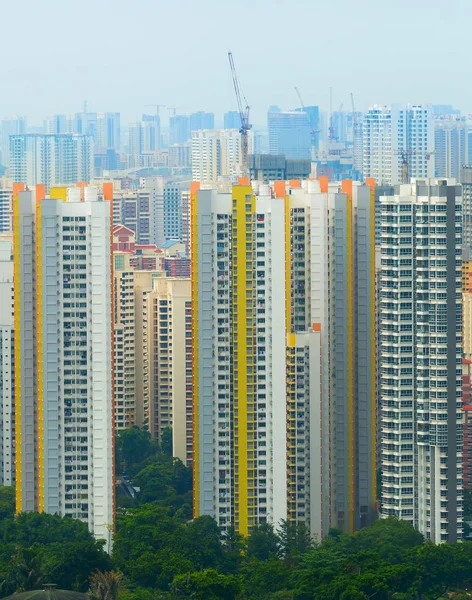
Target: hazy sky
point(121, 55)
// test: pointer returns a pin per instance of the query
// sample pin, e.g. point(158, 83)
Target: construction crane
point(243, 115)
point(313, 131)
point(174, 109)
point(405, 163)
point(156, 106)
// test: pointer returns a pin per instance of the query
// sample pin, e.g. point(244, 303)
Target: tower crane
point(243, 110)
point(313, 131)
point(156, 106)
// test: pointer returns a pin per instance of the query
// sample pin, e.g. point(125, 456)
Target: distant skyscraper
point(51, 159)
point(289, 133)
point(179, 129)
point(445, 109)
point(283, 286)
point(107, 134)
point(232, 120)
point(57, 124)
point(421, 357)
point(216, 153)
point(202, 120)
point(63, 356)
point(144, 136)
point(392, 133)
point(151, 125)
point(180, 156)
point(7, 363)
point(450, 148)
point(8, 127)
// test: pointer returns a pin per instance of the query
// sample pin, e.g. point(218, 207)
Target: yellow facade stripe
point(17, 257)
point(195, 308)
point(59, 193)
point(288, 275)
point(373, 324)
point(350, 364)
point(39, 356)
point(244, 331)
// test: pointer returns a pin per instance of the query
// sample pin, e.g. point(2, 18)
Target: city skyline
point(170, 70)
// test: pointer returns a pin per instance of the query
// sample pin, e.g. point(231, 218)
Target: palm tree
point(105, 585)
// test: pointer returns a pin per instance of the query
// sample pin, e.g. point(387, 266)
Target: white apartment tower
point(48, 159)
point(124, 364)
point(5, 210)
point(421, 357)
point(63, 301)
point(7, 388)
point(216, 154)
point(170, 359)
point(394, 134)
point(451, 148)
point(283, 294)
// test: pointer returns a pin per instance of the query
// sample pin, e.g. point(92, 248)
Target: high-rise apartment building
point(421, 357)
point(216, 153)
point(283, 293)
point(232, 120)
point(124, 361)
point(179, 129)
point(107, 135)
point(466, 182)
point(8, 127)
point(186, 195)
point(450, 148)
point(172, 212)
point(7, 388)
point(6, 210)
point(170, 357)
point(144, 136)
point(137, 210)
point(289, 133)
point(63, 298)
point(51, 159)
point(395, 134)
point(201, 120)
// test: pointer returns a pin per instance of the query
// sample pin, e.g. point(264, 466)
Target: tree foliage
point(162, 553)
point(39, 548)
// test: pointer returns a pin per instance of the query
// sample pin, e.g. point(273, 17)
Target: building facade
point(289, 133)
point(466, 183)
point(51, 159)
point(396, 136)
point(6, 210)
point(7, 388)
point(283, 289)
point(421, 357)
point(450, 148)
point(216, 154)
point(170, 356)
point(63, 356)
point(124, 362)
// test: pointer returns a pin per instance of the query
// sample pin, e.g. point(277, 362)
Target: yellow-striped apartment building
point(63, 335)
point(283, 294)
